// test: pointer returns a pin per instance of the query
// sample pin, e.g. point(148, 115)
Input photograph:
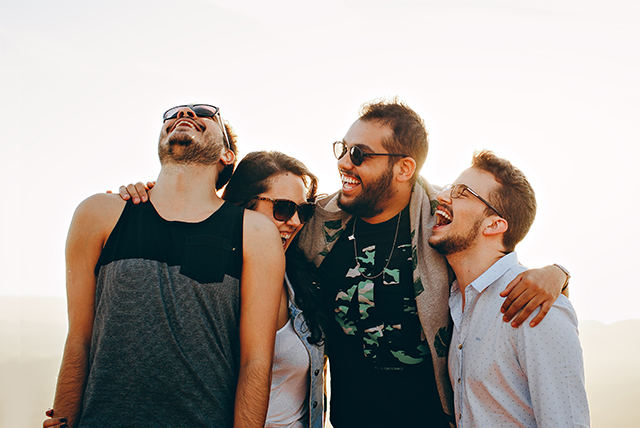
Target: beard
point(372, 198)
point(452, 244)
point(182, 149)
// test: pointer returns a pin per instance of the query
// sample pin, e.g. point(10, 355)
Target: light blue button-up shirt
point(516, 377)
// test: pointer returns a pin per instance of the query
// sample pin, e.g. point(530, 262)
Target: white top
point(290, 381)
point(520, 377)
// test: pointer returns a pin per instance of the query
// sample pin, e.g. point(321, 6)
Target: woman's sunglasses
point(284, 209)
point(356, 154)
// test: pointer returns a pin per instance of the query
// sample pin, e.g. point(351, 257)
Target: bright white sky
point(551, 85)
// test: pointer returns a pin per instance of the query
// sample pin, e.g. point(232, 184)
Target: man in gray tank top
point(172, 304)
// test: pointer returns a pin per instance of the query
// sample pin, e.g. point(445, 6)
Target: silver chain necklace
point(355, 248)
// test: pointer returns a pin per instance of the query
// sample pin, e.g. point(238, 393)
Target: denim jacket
point(316, 357)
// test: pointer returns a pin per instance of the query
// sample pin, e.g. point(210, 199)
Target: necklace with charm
point(352, 237)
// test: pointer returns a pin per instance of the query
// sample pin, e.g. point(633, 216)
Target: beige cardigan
point(431, 273)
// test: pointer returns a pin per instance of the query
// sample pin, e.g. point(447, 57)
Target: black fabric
point(381, 367)
point(165, 348)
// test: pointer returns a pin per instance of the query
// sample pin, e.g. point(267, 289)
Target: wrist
point(567, 276)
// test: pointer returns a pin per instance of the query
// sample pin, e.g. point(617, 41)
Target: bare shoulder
point(259, 230)
point(98, 213)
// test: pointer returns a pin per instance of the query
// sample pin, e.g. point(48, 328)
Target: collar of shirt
point(489, 277)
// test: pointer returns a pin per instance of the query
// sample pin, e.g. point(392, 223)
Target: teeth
point(285, 235)
point(185, 122)
point(443, 214)
point(350, 180)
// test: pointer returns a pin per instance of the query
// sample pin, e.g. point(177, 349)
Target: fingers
point(150, 184)
point(124, 194)
point(55, 422)
point(512, 292)
point(142, 191)
point(546, 306)
point(511, 286)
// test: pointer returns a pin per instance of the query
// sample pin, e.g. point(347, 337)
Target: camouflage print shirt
point(431, 278)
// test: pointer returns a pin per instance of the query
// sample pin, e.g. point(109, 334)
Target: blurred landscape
point(33, 330)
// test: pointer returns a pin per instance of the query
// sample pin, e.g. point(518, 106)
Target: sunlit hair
point(513, 197)
point(253, 177)
point(410, 137)
point(227, 171)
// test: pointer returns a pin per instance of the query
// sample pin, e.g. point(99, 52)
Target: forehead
point(287, 186)
point(369, 134)
point(481, 181)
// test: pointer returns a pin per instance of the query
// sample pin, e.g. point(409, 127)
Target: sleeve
point(551, 357)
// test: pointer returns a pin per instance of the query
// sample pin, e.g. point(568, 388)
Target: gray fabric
point(431, 273)
point(163, 345)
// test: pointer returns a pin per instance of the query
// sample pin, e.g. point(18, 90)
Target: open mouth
point(349, 182)
point(443, 218)
point(285, 238)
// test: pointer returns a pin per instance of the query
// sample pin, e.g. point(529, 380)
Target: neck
point(186, 192)
point(394, 206)
point(469, 264)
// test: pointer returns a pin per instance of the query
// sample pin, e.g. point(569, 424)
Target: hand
point(136, 191)
point(54, 422)
point(530, 290)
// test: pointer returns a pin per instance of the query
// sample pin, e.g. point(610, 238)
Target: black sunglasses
point(356, 154)
point(284, 209)
point(201, 110)
point(458, 189)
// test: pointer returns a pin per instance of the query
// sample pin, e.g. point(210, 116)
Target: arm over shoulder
point(261, 286)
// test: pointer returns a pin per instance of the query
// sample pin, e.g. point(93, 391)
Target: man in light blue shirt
point(502, 376)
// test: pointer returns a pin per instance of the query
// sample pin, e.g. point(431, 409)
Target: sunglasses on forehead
point(200, 110)
point(284, 209)
point(356, 154)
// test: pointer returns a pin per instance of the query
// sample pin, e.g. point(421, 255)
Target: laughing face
point(284, 186)
point(367, 188)
point(459, 221)
point(189, 139)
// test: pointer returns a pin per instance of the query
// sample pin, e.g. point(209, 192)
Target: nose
point(185, 112)
point(444, 196)
point(294, 221)
point(345, 162)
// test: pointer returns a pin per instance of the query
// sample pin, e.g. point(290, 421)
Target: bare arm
point(530, 290)
point(262, 282)
point(91, 225)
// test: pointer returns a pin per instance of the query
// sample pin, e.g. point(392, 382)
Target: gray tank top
point(165, 346)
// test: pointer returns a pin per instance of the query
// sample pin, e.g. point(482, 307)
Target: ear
point(227, 157)
point(406, 168)
point(498, 226)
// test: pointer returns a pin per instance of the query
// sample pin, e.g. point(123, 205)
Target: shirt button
point(315, 404)
point(460, 416)
point(460, 346)
point(316, 372)
point(459, 380)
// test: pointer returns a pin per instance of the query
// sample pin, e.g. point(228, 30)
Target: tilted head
point(492, 198)
point(196, 134)
point(277, 185)
point(383, 149)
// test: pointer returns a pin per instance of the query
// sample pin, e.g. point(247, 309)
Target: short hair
point(254, 173)
point(227, 171)
point(410, 136)
point(514, 197)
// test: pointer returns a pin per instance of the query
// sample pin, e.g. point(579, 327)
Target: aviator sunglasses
point(284, 209)
point(458, 189)
point(356, 154)
point(201, 110)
